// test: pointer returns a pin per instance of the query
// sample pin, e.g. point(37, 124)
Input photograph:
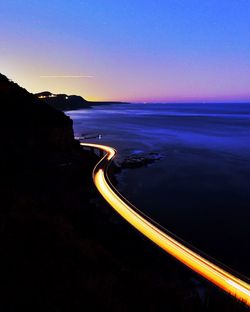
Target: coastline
point(201, 183)
point(59, 240)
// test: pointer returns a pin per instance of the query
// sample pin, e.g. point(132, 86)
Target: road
point(222, 278)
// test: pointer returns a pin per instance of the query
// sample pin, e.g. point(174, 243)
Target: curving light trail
point(218, 276)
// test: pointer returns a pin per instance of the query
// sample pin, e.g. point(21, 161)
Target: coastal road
point(222, 278)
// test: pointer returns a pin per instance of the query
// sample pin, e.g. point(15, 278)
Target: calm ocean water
point(200, 189)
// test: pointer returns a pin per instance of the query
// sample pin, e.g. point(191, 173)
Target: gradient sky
point(134, 50)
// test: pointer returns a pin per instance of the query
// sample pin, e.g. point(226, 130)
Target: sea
point(199, 187)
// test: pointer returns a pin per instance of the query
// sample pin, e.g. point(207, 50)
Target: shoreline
point(59, 239)
point(199, 183)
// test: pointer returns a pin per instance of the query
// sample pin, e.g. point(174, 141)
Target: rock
point(140, 160)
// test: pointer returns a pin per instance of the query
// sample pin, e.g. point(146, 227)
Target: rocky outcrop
point(140, 160)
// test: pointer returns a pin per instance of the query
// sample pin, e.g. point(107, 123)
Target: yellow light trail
point(218, 276)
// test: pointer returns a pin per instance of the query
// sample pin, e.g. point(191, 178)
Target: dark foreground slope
point(61, 247)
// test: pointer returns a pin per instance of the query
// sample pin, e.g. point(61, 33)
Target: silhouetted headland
point(66, 102)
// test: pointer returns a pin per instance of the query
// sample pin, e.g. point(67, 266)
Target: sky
point(129, 50)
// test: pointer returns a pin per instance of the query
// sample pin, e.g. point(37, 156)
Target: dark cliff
point(31, 128)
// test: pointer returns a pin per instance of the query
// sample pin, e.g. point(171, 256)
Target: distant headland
point(66, 102)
